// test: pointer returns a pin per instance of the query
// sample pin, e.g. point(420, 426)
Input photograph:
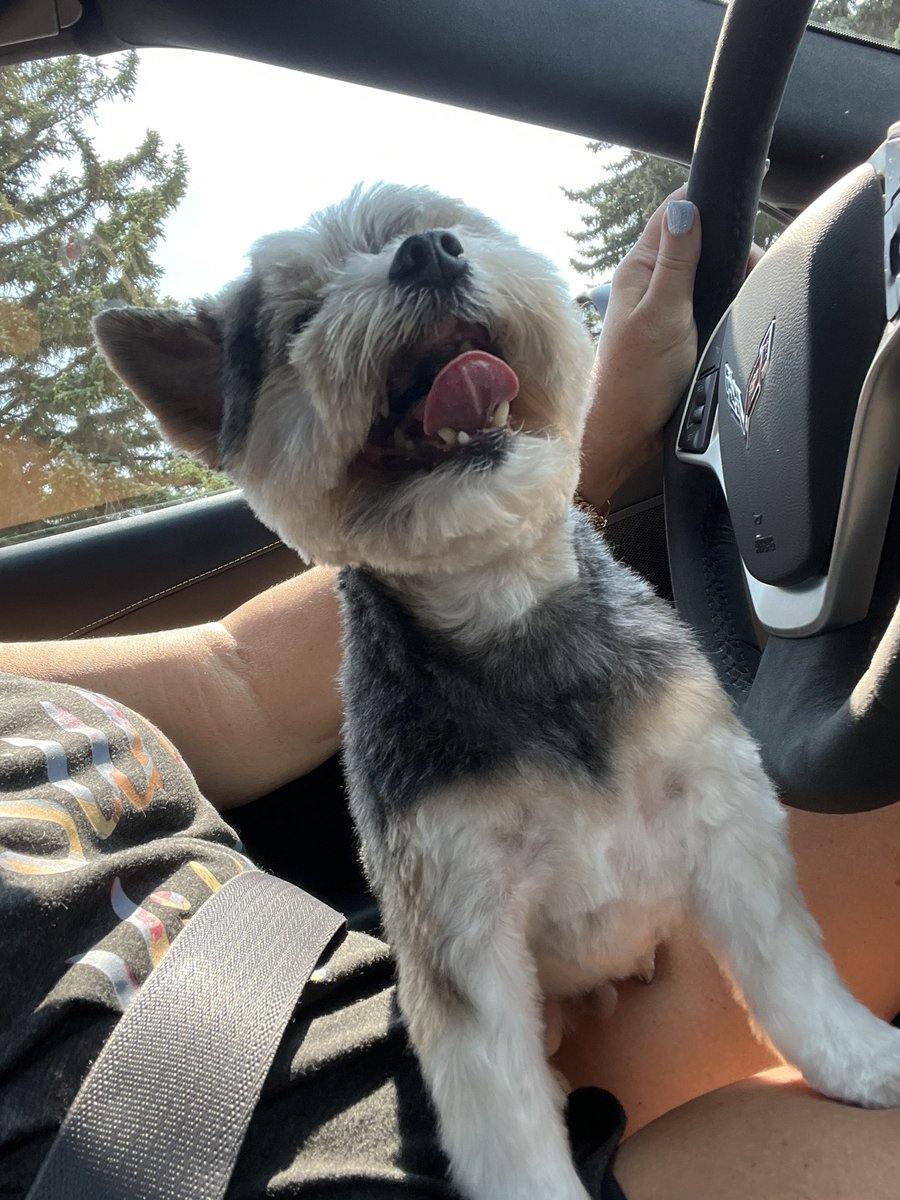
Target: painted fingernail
point(680, 217)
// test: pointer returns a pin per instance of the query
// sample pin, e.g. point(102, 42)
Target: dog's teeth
point(501, 415)
point(466, 345)
point(448, 435)
point(463, 437)
point(399, 439)
point(384, 408)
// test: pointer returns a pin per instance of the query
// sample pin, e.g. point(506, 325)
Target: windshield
point(114, 190)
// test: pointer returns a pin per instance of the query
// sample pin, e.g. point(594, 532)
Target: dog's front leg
point(467, 986)
point(748, 903)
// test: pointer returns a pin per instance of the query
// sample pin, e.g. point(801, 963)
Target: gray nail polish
point(680, 217)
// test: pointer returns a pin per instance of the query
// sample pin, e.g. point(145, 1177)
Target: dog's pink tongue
point(466, 392)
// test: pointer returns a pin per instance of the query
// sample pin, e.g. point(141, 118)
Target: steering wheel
point(782, 511)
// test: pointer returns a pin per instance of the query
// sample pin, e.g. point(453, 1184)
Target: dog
point(544, 772)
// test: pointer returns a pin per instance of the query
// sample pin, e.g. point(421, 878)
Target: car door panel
point(181, 565)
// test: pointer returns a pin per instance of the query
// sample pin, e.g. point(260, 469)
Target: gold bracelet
point(599, 517)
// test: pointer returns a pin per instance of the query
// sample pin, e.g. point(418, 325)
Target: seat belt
point(164, 1109)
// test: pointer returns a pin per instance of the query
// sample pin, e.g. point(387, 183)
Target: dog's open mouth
point(447, 397)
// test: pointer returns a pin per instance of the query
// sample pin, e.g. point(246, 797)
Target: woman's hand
point(647, 350)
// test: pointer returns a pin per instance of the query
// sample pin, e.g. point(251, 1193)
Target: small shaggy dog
point(544, 772)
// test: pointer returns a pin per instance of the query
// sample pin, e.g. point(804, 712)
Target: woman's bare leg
point(684, 1034)
point(768, 1138)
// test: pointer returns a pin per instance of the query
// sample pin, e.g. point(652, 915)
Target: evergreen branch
point(54, 227)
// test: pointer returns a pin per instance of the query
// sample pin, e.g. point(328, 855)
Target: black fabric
point(345, 1113)
point(107, 850)
point(638, 539)
point(596, 1123)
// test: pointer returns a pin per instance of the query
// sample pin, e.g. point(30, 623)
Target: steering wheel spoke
point(782, 506)
point(840, 594)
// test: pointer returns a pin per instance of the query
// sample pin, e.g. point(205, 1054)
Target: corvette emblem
point(744, 406)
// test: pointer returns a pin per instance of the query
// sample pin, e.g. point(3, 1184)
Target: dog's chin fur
point(444, 520)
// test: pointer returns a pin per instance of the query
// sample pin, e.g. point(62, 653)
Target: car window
point(116, 191)
point(876, 20)
point(869, 20)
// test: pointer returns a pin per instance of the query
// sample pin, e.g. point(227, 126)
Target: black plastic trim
point(72, 582)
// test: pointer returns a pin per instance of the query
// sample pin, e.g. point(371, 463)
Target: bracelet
point(598, 517)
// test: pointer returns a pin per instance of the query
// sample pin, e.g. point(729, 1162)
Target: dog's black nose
point(432, 259)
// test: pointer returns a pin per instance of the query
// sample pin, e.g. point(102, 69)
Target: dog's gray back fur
point(554, 690)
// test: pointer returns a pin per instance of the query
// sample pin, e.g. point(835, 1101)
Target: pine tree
point(618, 206)
point(77, 234)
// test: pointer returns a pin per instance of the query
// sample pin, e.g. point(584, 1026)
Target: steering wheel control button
point(701, 406)
point(796, 347)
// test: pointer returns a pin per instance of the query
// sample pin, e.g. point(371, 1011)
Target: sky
point(267, 146)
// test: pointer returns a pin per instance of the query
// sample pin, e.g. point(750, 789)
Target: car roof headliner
point(627, 71)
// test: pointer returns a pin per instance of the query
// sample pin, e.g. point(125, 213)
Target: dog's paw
point(864, 1071)
point(645, 971)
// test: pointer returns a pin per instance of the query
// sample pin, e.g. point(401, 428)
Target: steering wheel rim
point(825, 709)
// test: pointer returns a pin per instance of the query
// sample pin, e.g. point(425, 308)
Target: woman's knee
point(765, 1138)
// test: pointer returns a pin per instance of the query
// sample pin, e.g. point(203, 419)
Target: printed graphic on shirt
point(102, 811)
point(100, 752)
point(150, 928)
point(45, 811)
point(74, 791)
point(152, 933)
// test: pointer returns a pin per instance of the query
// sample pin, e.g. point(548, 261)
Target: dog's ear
point(172, 361)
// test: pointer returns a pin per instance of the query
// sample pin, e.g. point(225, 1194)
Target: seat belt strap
point(164, 1109)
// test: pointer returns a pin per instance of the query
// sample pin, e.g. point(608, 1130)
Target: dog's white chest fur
point(622, 888)
point(601, 875)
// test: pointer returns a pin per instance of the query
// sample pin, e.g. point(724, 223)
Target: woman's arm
point(251, 701)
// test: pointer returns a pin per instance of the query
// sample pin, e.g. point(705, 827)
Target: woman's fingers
point(634, 272)
point(672, 282)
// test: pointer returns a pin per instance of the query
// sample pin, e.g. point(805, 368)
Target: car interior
point(793, 582)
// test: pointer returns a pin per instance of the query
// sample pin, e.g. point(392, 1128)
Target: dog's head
point(399, 383)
